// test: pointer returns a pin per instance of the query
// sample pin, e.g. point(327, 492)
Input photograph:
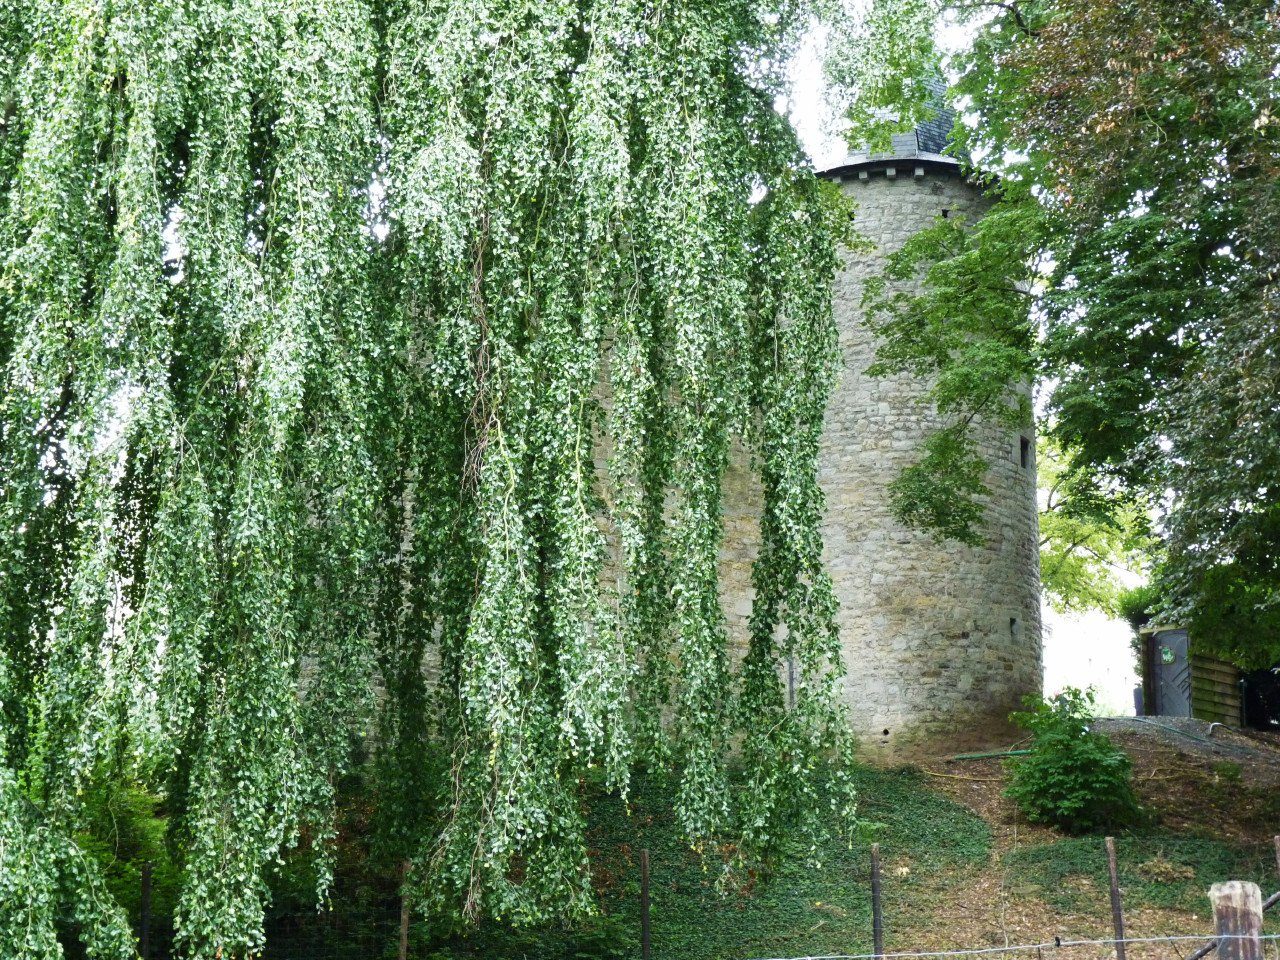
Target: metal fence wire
point(1056, 949)
point(365, 916)
point(360, 922)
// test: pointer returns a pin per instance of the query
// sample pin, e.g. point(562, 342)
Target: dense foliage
point(1075, 779)
point(970, 340)
point(368, 373)
point(1087, 538)
point(1136, 149)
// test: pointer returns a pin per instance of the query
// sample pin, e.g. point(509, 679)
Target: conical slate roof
point(923, 146)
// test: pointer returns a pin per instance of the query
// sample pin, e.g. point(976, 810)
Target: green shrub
point(124, 828)
point(1075, 779)
point(1136, 605)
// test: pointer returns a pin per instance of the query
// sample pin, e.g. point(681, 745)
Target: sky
point(811, 116)
point(806, 106)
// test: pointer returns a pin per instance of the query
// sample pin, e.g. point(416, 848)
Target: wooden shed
point(1179, 683)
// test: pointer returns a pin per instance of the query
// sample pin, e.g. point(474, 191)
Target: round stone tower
point(941, 641)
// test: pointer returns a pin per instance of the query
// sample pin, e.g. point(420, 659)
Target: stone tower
point(941, 641)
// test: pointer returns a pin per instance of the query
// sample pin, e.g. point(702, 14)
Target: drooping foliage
point(369, 372)
point(1135, 149)
point(967, 333)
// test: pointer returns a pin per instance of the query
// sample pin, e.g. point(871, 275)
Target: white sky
point(811, 115)
point(807, 107)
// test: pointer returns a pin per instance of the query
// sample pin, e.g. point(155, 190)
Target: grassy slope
point(1156, 870)
point(960, 871)
point(801, 910)
point(948, 881)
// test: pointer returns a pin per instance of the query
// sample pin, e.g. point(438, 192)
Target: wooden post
point(877, 919)
point(144, 940)
point(404, 911)
point(644, 905)
point(1276, 841)
point(1117, 914)
point(1237, 916)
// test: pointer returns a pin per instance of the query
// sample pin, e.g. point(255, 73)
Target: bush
point(1136, 605)
point(1075, 780)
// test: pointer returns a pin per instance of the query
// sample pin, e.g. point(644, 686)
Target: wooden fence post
point(1117, 913)
point(644, 905)
point(1237, 916)
point(144, 939)
point(404, 911)
point(877, 919)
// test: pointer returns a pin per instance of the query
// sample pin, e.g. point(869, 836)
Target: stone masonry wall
point(941, 641)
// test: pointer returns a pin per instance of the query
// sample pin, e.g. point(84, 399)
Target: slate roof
point(932, 135)
point(925, 143)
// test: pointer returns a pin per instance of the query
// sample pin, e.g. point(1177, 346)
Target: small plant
point(1160, 869)
point(1227, 772)
point(1075, 779)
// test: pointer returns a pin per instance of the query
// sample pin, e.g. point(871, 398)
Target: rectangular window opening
point(1026, 452)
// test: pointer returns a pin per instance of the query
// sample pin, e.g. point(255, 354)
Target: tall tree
point(1136, 149)
point(1090, 535)
point(304, 315)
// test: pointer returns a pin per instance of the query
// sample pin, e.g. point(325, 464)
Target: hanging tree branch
point(336, 287)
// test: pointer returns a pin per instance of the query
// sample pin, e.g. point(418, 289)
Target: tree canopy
point(1134, 148)
point(314, 321)
point(1087, 538)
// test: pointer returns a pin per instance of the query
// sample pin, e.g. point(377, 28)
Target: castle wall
point(940, 641)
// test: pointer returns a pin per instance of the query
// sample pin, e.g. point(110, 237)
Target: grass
point(1157, 870)
point(938, 866)
point(800, 910)
point(933, 851)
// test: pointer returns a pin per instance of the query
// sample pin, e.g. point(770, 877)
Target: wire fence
point(365, 916)
point(1046, 947)
point(361, 921)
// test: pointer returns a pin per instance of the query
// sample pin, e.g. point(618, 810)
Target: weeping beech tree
point(315, 319)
